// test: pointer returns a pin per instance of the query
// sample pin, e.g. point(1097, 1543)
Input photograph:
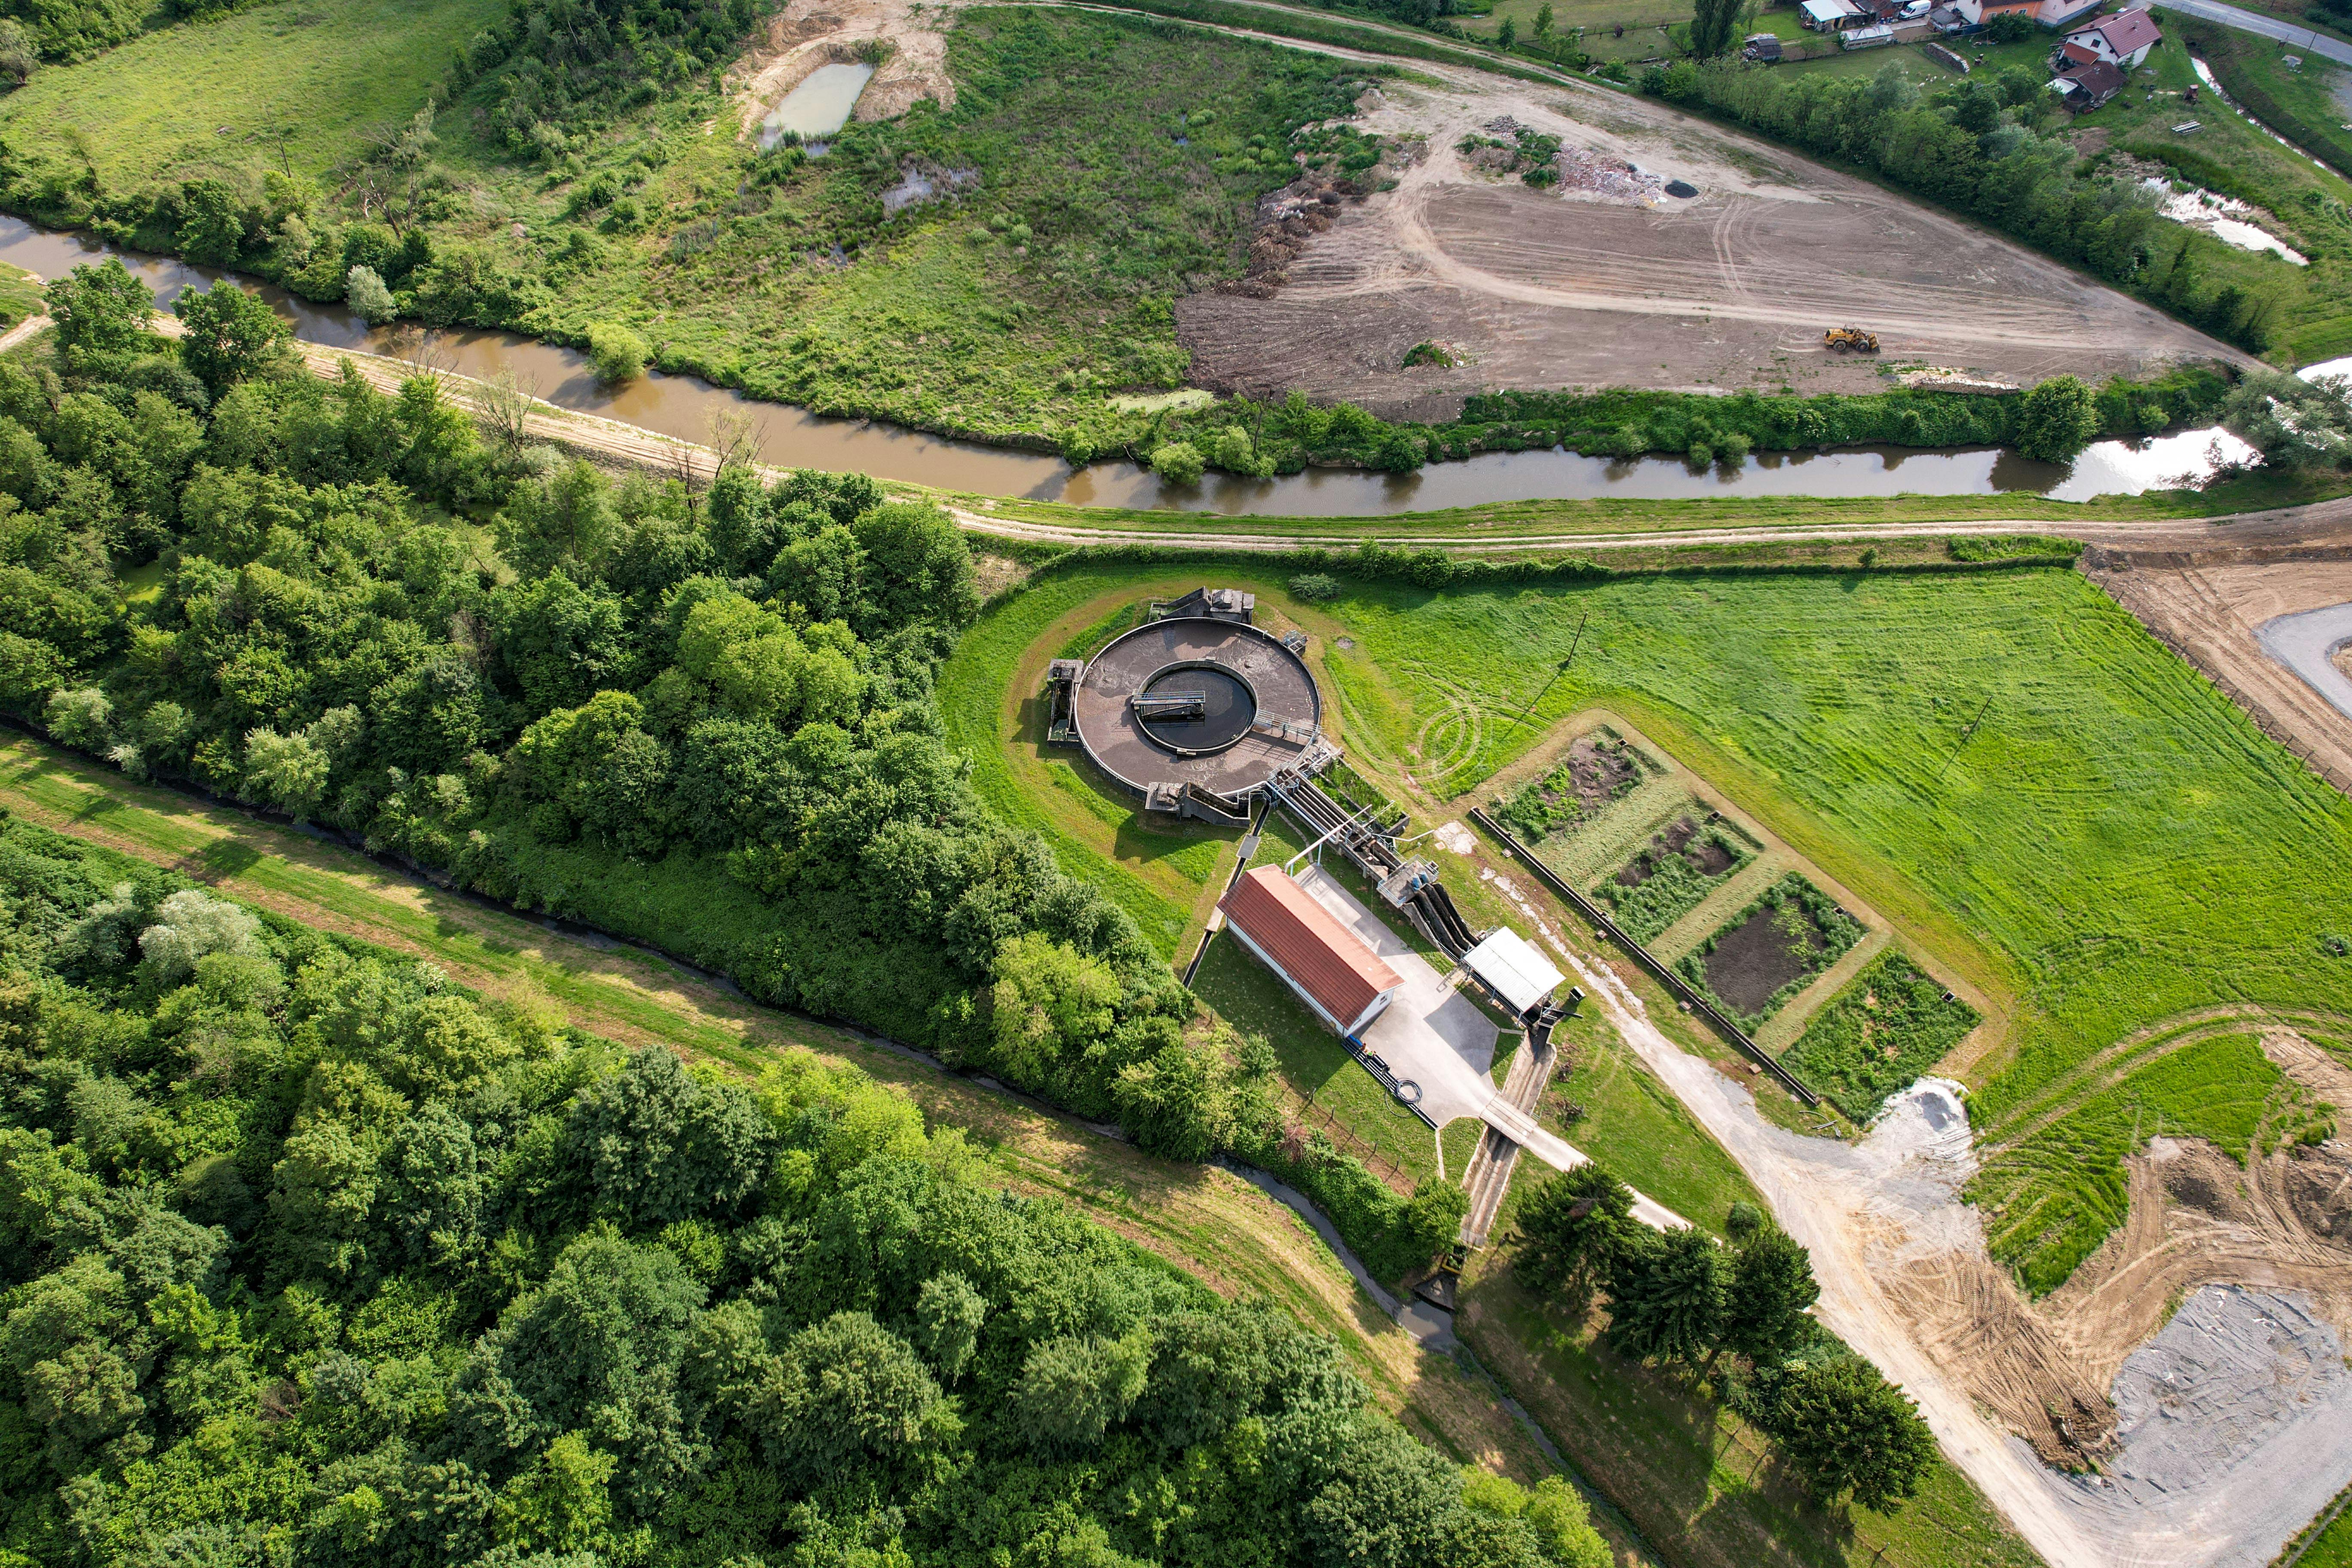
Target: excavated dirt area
point(1615, 282)
point(2207, 612)
point(807, 34)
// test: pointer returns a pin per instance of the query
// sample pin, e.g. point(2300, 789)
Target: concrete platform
point(1439, 1039)
point(1285, 691)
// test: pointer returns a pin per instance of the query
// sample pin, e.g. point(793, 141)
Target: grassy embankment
point(297, 89)
point(1652, 1442)
point(1203, 1219)
point(2115, 848)
point(19, 295)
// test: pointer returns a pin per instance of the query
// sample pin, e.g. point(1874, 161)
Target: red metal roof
point(1307, 941)
point(2078, 54)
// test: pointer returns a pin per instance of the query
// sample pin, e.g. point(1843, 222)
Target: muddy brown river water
point(688, 406)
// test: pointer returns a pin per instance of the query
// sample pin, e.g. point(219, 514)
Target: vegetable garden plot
point(1600, 769)
point(1768, 952)
point(1892, 1023)
point(1672, 875)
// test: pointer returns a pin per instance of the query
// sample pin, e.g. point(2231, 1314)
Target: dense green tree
point(1715, 26)
point(1770, 1289)
point(2060, 417)
point(100, 308)
point(228, 334)
point(1846, 1429)
point(1667, 1294)
point(1569, 1231)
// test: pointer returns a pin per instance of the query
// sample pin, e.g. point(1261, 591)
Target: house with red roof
point(1343, 982)
point(2121, 40)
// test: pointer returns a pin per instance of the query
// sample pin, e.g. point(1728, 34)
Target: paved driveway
point(2277, 28)
point(1442, 1041)
point(1431, 1033)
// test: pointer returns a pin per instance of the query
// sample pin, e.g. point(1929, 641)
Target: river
point(688, 406)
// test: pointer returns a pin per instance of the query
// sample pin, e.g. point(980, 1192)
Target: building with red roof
point(2122, 40)
point(1342, 981)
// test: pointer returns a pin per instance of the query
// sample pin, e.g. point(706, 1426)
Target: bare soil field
point(2208, 612)
point(1574, 285)
point(1755, 959)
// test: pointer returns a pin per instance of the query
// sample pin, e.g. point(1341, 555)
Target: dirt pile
point(1286, 220)
point(1595, 176)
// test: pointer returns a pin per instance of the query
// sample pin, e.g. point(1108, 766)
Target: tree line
point(1737, 1316)
point(309, 1256)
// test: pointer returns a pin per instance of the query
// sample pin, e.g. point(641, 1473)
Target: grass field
point(296, 86)
point(2115, 845)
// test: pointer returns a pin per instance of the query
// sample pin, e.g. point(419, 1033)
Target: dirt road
point(1905, 1279)
point(1568, 287)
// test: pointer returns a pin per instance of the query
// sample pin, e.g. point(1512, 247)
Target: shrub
point(83, 718)
point(1314, 587)
point(365, 292)
point(1178, 462)
point(617, 353)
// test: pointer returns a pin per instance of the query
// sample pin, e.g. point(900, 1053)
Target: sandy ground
point(807, 34)
point(2207, 614)
point(1729, 289)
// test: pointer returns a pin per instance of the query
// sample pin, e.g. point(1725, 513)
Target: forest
point(601, 700)
point(313, 1257)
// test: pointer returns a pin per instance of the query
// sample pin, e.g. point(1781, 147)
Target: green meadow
point(2005, 765)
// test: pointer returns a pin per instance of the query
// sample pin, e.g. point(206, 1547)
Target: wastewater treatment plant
point(1177, 782)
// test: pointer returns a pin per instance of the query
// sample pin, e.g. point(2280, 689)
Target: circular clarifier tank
point(1196, 707)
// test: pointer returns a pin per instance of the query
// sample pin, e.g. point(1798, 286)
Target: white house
point(2122, 40)
point(1830, 16)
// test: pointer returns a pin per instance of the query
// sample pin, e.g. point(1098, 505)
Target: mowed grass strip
point(294, 87)
point(1206, 1220)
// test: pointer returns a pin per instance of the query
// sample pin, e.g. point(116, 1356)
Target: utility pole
point(1572, 646)
point(1968, 732)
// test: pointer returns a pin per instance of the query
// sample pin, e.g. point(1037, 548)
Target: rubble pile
point(1588, 174)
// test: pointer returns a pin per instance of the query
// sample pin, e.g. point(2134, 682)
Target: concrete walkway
point(2302, 642)
point(2278, 28)
point(1442, 1040)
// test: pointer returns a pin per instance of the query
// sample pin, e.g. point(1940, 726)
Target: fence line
point(1306, 1110)
point(1675, 983)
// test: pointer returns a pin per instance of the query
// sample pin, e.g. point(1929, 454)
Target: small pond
point(819, 106)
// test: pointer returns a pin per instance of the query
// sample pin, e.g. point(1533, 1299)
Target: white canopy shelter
point(1517, 973)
